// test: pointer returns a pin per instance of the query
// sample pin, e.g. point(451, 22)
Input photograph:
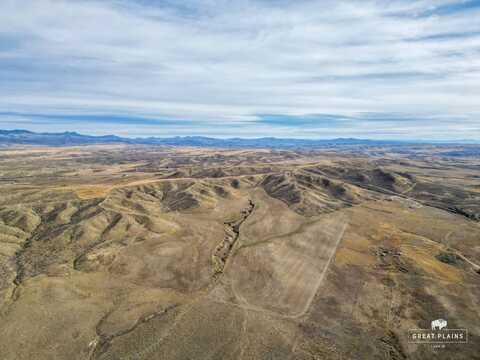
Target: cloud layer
point(379, 69)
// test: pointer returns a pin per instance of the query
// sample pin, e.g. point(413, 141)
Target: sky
point(396, 69)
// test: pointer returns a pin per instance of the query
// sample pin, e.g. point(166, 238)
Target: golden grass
point(346, 256)
point(86, 192)
point(354, 250)
point(424, 258)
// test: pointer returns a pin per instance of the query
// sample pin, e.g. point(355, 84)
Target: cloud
point(215, 66)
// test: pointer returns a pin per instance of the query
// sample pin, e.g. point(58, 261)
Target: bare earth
point(136, 252)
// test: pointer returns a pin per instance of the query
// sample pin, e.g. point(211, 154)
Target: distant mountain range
point(73, 138)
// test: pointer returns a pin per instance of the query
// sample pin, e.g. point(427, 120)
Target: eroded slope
point(235, 255)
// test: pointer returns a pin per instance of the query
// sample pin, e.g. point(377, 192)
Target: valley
point(132, 251)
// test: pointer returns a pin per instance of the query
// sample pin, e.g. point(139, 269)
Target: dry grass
point(134, 275)
point(424, 258)
point(346, 256)
point(92, 191)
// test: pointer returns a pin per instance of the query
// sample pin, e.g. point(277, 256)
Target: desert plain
point(156, 252)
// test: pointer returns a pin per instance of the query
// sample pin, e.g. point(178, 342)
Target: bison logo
point(439, 324)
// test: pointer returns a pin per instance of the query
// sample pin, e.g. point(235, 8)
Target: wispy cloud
point(216, 67)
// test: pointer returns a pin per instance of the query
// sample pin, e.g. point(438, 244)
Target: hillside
point(146, 252)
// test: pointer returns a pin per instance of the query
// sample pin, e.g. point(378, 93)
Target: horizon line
point(352, 138)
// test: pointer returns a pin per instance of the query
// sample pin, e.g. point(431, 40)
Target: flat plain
point(155, 252)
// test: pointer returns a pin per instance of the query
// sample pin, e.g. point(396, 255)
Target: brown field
point(137, 252)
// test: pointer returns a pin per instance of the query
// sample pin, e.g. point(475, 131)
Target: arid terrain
point(154, 252)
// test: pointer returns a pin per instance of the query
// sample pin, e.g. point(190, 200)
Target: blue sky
point(378, 69)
